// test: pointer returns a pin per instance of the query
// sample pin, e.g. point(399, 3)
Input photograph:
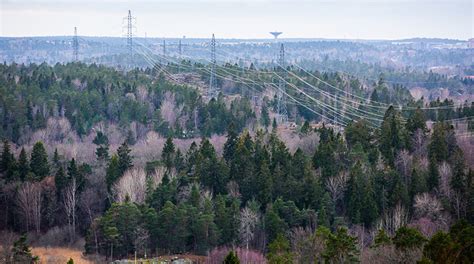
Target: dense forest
point(78, 162)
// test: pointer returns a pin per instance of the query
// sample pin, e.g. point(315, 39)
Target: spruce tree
point(417, 120)
point(265, 117)
point(264, 184)
point(418, 183)
point(23, 165)
point(60, 180)
point(433, 173)
point(231, 143)
point(102, 142)
point(56, 159)
point(458, 180)
point(39, 161)
point(7, 157)
point(326, 211)
point(438, 147)
point(168, 154)
point(124, 158)
point(113, 172)
point(392, 135)
point(231, 258)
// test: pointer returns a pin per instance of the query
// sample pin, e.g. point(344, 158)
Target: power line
point(319, 103)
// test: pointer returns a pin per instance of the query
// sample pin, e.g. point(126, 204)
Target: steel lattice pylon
point(213, 91)
point(75, 45)
point(281, 103)
point(130, 35)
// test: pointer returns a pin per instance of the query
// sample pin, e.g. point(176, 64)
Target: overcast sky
point(352, 19)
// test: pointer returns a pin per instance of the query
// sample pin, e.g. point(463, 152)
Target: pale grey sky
point(361, 19)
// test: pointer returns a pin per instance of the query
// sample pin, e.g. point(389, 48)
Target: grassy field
point(58, 255)
point(53, 255)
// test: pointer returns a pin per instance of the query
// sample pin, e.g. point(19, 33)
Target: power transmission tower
point(180, 50)
point(75, 45)
point(130, 26)
point(164, 47)
point(281, 103)
point(212, 93)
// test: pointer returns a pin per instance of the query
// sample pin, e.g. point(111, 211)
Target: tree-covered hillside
point(136, 163)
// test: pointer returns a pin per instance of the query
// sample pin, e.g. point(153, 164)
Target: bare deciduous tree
point(445, 179)
point(403, 163)
point(393, 220)
point(248, 222)
point(70, 206)
point(169, 111)
point(307, 246)
point(131, 185)
point(6, 246)
point(233, 189)
point(336, 185)
point(419, 142)
point(427, 205)
point(29, 201)
point(141, 240)
point(92, 204)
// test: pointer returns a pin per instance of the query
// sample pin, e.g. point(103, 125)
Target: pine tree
point(39, 161)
